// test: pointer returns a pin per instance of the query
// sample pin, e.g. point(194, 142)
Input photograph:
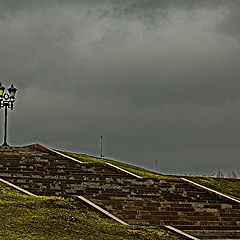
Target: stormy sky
point(159, 79)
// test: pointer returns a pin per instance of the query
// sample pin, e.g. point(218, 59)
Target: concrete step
point(217, 227)
point(215, 234)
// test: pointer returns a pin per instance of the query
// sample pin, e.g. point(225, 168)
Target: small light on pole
point(7, 101)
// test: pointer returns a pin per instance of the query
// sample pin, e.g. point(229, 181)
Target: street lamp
point(6, 101)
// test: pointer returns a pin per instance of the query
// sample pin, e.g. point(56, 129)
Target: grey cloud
point(159, 79)
point(230, 24)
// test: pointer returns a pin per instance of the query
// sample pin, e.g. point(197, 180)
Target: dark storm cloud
point(159, 79)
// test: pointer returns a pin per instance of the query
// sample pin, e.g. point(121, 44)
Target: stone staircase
point(161, 201)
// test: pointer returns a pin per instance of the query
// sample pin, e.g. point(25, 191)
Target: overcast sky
point(160, 80)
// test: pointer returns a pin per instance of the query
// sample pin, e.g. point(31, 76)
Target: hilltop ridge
point(172, 202)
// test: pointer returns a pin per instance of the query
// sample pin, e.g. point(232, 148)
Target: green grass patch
point(27, 217)
point(131, 168)
point(230, 187)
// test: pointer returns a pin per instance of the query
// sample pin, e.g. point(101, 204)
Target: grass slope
point(26, 217)
point(131, 168)
point(230, 187)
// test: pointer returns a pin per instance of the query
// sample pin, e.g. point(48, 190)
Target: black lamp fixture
point(7, 101)
point(12, 92)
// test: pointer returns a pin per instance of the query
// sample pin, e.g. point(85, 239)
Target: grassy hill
point(27, 217)
point(230, 187)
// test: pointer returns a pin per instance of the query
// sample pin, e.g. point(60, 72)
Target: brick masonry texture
point(166, 201)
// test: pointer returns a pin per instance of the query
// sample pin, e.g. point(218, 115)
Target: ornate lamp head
point(12, 91)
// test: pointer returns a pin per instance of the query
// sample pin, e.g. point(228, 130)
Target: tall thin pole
point(101, 146)
point(156, 165)
point(5, 128)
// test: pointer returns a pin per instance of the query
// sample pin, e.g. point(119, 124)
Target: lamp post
point(101, 147)
point(6, 101)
